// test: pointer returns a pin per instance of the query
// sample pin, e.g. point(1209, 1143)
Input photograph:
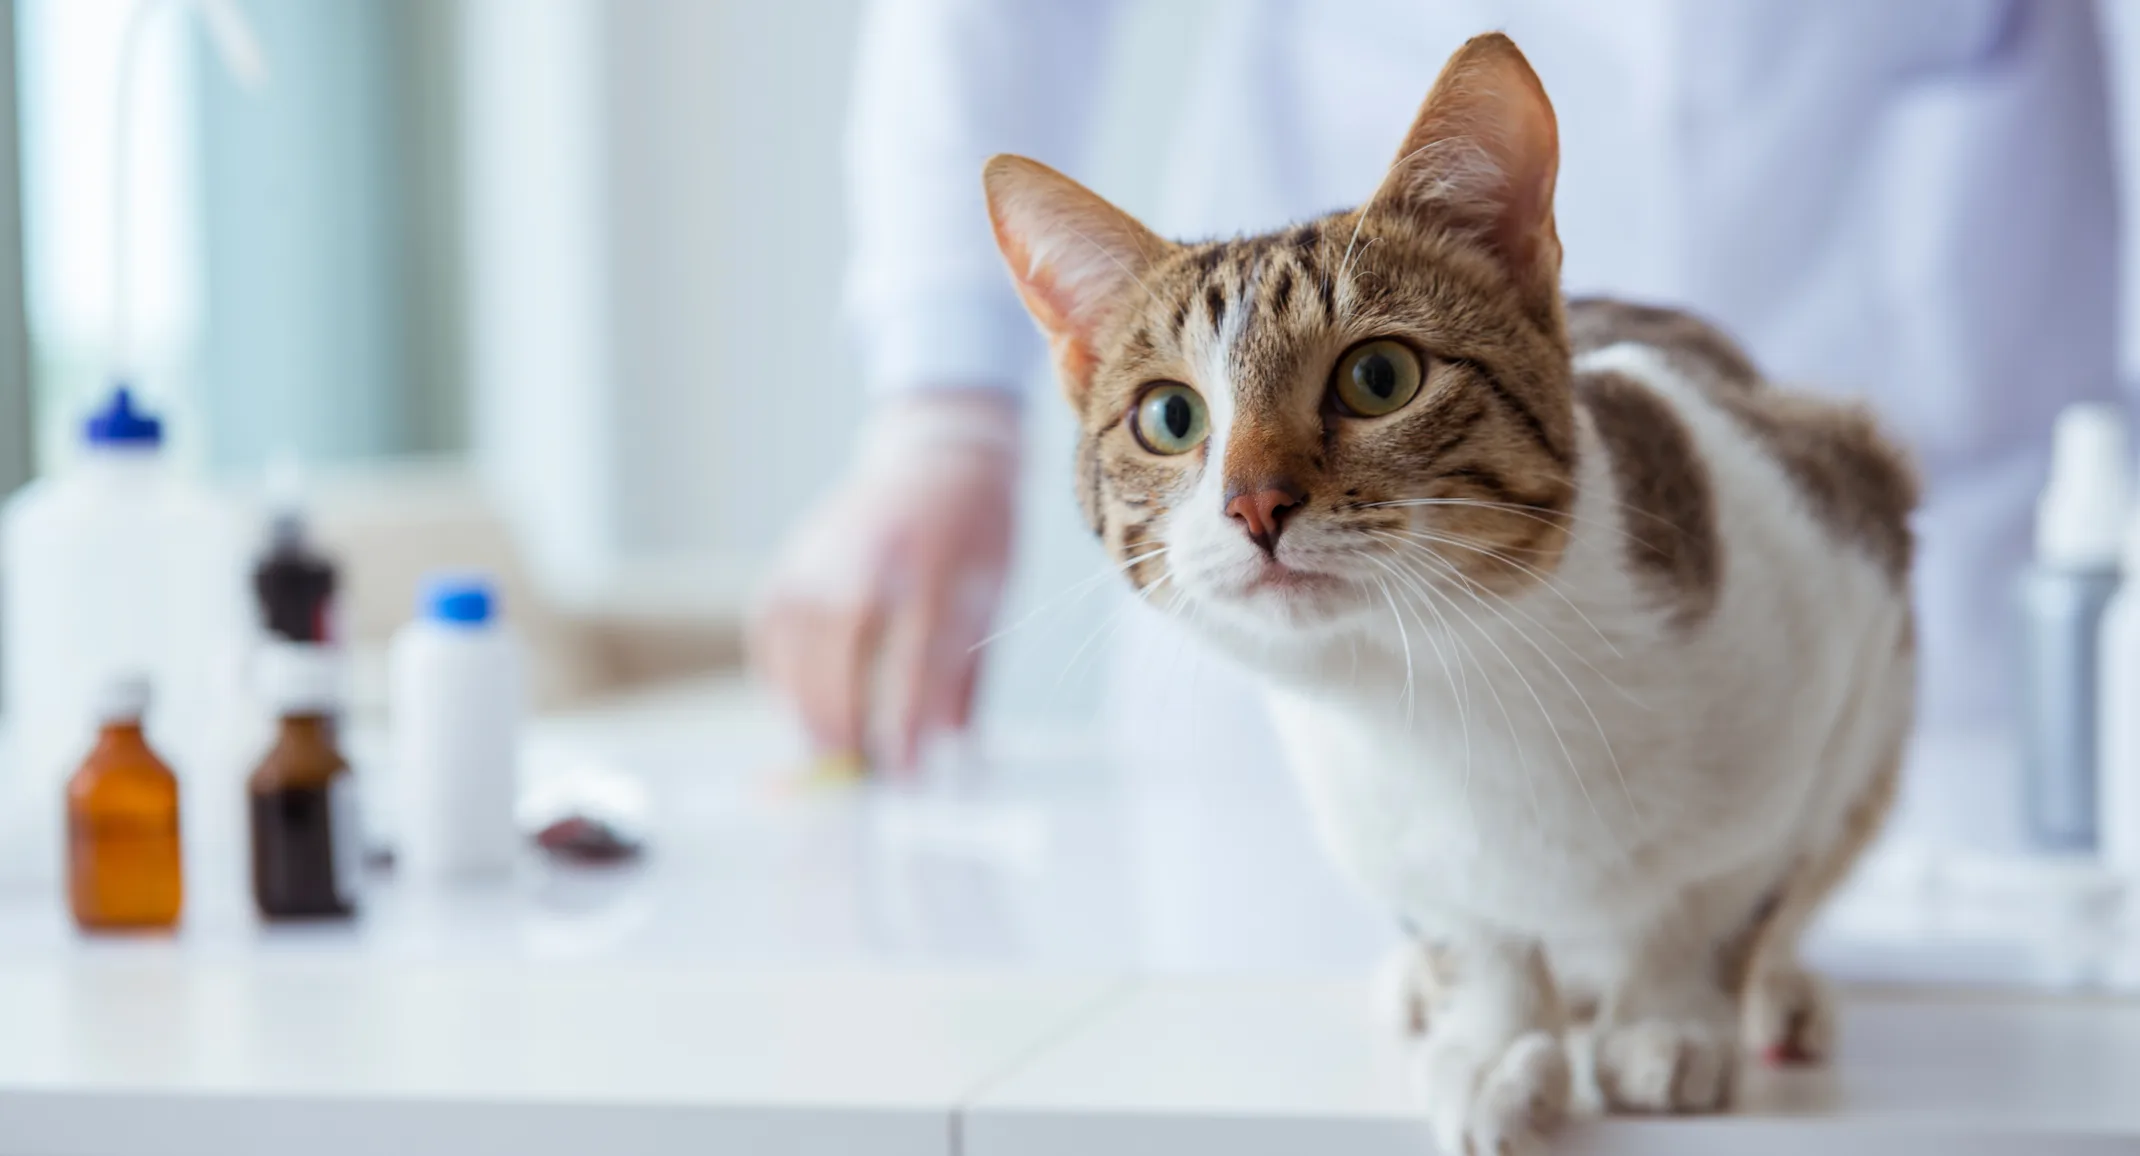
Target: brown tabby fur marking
point(1668, 512)
point(1855, 481)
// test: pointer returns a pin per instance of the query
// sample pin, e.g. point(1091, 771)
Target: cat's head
point(1285, 430)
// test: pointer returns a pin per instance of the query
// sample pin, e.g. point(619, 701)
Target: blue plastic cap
point(118, 423)
point(461, 599)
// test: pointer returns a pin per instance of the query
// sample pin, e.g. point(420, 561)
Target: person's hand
point(883, 592)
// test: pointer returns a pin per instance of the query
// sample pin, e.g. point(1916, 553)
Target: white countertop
point(1038, 958)
point(1254, 1066)
point(157, 1056)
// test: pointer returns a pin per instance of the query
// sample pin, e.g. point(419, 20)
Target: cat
point(1592, 651)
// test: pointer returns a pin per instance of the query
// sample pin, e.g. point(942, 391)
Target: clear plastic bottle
point(455, 702)
point(110, 566)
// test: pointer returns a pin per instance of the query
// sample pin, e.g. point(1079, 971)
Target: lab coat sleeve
point(940, 86)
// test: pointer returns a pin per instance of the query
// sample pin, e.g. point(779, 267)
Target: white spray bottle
point(2080, 528)
point(2118, 717)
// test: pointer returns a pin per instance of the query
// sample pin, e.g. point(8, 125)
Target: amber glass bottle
point(124, 869)
point(306, 852)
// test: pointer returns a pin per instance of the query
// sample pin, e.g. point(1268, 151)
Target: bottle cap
point(124, 699)
point(300, 677)
point(120, 425)
point(286, 530)
point(2080, 519)
point(459, 599)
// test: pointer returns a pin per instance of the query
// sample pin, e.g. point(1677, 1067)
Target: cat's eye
point(1377, 377)
point(1170, 419)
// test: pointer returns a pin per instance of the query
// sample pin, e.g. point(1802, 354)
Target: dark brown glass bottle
point(305, 853)
point(295, 585)
point(124, 864)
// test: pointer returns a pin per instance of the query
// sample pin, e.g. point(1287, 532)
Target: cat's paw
point(1789, 1016)
point(1406, 987)
point(1659, 1065)
point(1489, 1102)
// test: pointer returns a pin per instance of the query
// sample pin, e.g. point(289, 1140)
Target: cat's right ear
point(1484, 154)
point(1076, 259)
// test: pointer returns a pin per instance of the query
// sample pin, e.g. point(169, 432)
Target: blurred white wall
point(653, 198)
point(541, 374)
point(728, 248)
point(660, 369)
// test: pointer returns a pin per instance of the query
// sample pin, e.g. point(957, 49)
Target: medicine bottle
point(307, 847)
point(124, 864)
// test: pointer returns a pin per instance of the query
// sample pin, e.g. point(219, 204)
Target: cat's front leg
point(1666, 1037)
point(1409, 983)
point(1492, 1066)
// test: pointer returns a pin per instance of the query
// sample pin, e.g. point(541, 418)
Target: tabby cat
point(1592, 650)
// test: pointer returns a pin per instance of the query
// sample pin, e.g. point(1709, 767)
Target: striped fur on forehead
point(1344, 277)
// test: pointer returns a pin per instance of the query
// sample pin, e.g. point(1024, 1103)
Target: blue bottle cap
point(119, 424)
point(461, 599)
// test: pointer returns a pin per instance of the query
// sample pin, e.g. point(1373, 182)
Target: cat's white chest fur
point(1560, 763)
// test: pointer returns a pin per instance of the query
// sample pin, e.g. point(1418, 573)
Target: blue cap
point(118, 423)
point(462, 599)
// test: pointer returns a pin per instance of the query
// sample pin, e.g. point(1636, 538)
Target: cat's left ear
point(1077, 260)
point(1483, 155)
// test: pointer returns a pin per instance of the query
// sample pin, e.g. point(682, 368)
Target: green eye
point(1378, 377)
point(1170, 419)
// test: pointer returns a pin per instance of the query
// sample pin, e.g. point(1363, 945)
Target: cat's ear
point(1076, 258)
point(1483, 154)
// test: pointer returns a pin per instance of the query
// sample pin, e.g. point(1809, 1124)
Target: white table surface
point(1045, 957)
point(1258, 1067)
point(157, 1056)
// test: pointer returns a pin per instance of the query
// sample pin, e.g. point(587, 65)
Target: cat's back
point(1854, 482)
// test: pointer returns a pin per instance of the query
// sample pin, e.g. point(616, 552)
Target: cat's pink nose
point(1262, 511)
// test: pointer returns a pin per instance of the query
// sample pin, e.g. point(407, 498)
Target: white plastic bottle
point(456, 698)
point(2080, 530)
point(2118, 751)
point(117, 564)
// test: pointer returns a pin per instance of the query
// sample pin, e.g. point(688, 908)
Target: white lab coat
point(1912, 202)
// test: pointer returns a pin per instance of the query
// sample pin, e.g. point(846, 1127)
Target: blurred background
point(553, 287)
point(594, 297)
point(578, 261)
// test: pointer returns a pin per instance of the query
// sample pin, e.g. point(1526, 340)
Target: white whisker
point(1539, 514)
point(1404, 640)
point(1460, 680)
point(1508, 720)
point(1546, 715)
point(1472, 589)
point(1447, 674)
point(1544, 579)
point(1573, 651)
point(1082, 588)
